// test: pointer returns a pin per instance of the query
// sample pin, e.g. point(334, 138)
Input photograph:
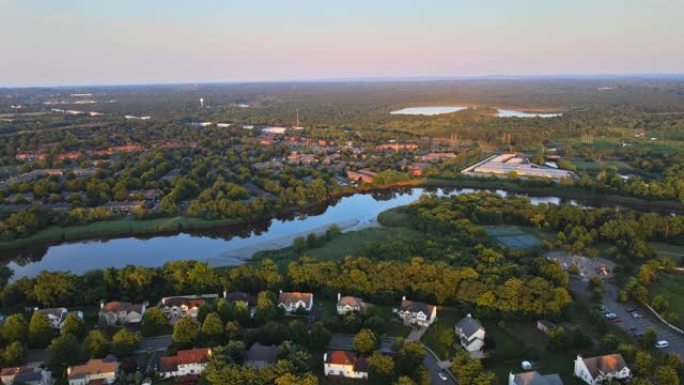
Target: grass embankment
point(56, 234)
point(345, 244)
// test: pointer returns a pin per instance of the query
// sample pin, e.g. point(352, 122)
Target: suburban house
point(25, 375)
point(95, 371)
point(175, 308)
point(545, 326)
point(236, 297)
point(190, 362)
point(348, 304)
point(470, 334)
point(596, 370)
point(534, 378)
point(185, 363)
point(295, 300)
point(57, 315)
point(365, 176)
point(417, 313)
point(259, 356)
point(345, 364)
point(121, 313)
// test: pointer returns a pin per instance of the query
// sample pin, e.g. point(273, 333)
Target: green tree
point(365, 342)
point(96, 344)
point(185, 332)
point(666, 375)
point(40, 330)
point(381, 368)
point(62, 352)
point(73, 325)
point(14, 354)
point(154, 323)
point(319, 336)
point(125, 342)
point(212, 328)
point(15, 329)
point(404, 380)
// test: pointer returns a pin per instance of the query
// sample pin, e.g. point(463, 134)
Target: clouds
point(79, 41)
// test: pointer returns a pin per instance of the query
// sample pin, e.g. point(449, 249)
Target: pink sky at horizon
point(124, 42)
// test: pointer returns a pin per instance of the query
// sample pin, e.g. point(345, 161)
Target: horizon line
point(548, 76)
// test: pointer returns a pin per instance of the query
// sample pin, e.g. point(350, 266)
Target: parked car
point(637, 315)
point(611, 315)
point(616, 320)
point(442, 376)
point(662, 344)
point(630, 309)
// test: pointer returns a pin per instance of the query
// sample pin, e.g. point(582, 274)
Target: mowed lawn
point(674, 252)
point(671, 287)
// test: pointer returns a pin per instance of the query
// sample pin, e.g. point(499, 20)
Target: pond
point(221, 247)
point(501, 112)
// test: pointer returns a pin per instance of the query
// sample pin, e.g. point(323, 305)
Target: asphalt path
point(630, 324)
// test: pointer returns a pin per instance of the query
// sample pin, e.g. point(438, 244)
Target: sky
point(82, 42)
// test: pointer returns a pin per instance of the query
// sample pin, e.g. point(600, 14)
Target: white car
point(442, 376)
point(611, 315)
point(662, 344)
point(637, 315)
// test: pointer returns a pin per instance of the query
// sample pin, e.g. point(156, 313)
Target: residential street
point(344, 342)
point(675, 339)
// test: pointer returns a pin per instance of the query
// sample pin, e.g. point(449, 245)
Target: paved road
point(344, 342)
point(155, 343)
point(675, 339)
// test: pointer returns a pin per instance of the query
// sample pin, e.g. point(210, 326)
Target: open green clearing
point(671, 287)
point(345, 244)
point(675, 252)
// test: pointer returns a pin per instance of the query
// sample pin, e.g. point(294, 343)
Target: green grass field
point(674, 252)
point(671, 287)
point(339, 247)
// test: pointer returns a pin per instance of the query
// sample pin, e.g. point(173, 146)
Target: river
point(221, 247)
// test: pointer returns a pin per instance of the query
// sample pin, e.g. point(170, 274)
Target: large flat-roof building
point(505, 164)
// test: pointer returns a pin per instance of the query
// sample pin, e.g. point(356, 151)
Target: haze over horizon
point(83, 42)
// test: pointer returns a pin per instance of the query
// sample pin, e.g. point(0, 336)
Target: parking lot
point(588, 267)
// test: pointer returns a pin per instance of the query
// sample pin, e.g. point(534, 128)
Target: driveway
point(345, 341)
point(675, 339)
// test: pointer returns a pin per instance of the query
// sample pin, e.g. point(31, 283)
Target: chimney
point(339, 296)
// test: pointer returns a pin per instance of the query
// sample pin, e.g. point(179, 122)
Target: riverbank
point(174, 225)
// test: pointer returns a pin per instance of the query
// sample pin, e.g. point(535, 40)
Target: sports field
point(513, 237)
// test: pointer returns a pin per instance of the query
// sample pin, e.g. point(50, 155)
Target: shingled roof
point(93, 366)
point(469, 326)
point(604, 364)
point(416, 307)
point(342, 357)
point(294, 297)
point(536, 378)
point(184, 357)
point(117, 306)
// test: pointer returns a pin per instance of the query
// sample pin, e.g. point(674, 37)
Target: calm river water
point(220, 247)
